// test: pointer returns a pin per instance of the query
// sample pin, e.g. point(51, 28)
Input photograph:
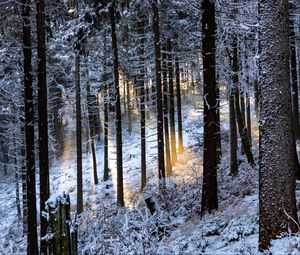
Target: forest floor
point(176, 228)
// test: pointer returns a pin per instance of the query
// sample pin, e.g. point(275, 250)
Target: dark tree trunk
point(141, 86)
point(166, 112)
point(43, 120)
point(91, 112)
point(210, 161)
point(277, 202)
point(159, 103)
point(233, 135)
point(172, 104)
point(179, 114)
point(78, 135)
point(294, 81)
point(248, 111)
point(120, 194)
point(128, 104)
point(32, 242)
point(105, 79)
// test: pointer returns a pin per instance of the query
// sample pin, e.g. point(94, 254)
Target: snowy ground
point(176, 228)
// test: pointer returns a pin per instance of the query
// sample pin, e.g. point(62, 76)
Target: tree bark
point(179, 114)
point(277, 202)
point(248, 113)
point(233, 134)
point(78, 135)
point(294, 81)
point(32, 242)
point(43, 119)
point(91, 117)
point(105, 79)
point(166, 113)
point(172, 104)
point(120, 194)
point(141, 86)
point(159, 103)
point(210, 158)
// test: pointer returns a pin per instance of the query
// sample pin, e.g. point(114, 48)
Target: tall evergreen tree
point(277, 202)
point(159, 102)
point(32, 243)
point(43, 119)
point(210, 157)
point(120, 192)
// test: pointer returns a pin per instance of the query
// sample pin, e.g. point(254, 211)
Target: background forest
point(149, 127)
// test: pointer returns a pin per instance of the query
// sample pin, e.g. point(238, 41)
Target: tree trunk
point(128, 104)
point(91, 113)
point(78, 135)
point(294, 81)
point(172, 105)
point(277, 207)
point(32, 242)
point(105, 79)
point(141, 86)
point(43, 119)
point(233, 135)
point(120, 194)
point(179, 114)
point(210, 158)
point(159, 103)
point(248, 111)
point(166, 112)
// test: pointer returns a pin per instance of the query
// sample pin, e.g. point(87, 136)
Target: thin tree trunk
point(166, 111)
point(91, 113)
point(105, 79)
point(210, 157)
point(141, 86)
point(32, 242)
point(159, 103)
point(78, 135)
point(277, 201)
point(43, 120)
point(172, 104)
point(233, 135)
point(248, 110)
point(120, 193)
point(128, 104)
point(179, 114)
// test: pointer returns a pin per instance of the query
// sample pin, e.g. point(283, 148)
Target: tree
point(277, 170)
point(210, 157)
point(294, 81)
point(166, 111)
point(92, 124)
point(159, 102)
point(32, 243)
point(120, 192)
point(43, 119)
point(172, 104)
point(141, 86)
point(179, 114)
point(78, 123)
